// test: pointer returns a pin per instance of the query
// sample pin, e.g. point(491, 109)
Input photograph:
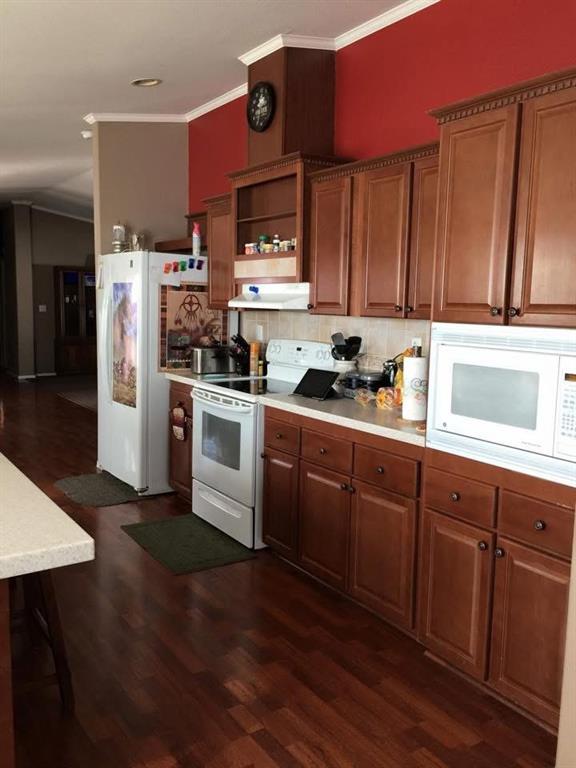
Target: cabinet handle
point(409, 309)
point(310, 306)
point(351, 489)
point(482, 546)
point(380, 470)
point(514, 312)
point(397, 308)
point(495, 311)
point(323, 451)
point(539, 525)
point(343, 486)
point(498, 552)
point(454, 496)
point(278, 435)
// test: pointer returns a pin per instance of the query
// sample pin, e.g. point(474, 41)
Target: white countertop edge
point(46, 560)
point(344, 421)
point(182, 378)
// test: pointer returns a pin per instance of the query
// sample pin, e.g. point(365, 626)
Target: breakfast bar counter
point(35, 536)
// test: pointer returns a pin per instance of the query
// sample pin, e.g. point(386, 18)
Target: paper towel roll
point(415, 388)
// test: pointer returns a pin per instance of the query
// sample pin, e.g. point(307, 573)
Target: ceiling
point(62, 59)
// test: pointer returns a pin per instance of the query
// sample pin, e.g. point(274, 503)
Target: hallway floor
point(249, 666)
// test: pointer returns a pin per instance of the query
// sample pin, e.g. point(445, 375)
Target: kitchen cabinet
point(323, 522)
point(529, 628)
point(180, 451)
point(382, 552)
point(220, 251)
point(544, 273)
point(487, 271)
point(383, 222)
point(331, 211)
point(456, 568)
point(280, 502)
point(362, 225)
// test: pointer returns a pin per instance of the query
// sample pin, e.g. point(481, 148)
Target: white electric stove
point(227, 438)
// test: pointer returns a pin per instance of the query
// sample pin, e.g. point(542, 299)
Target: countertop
point(184, 376)
point(35, 534)
point(347, 413)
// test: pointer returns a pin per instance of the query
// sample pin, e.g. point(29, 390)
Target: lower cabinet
point(324, 522)
point(180, 440)
point(383, 552)
point(281, 503)
point(455, 592)
point(529, 628)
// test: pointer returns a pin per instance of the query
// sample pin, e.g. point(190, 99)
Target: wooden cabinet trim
point(422, 238)
point(411, 154)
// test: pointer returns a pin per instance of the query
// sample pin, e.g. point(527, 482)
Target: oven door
point(498, 396)
point(224, 444)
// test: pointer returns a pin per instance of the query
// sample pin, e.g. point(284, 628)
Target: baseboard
point(41, 375)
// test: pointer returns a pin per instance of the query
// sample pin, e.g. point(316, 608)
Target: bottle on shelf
point(196, 240)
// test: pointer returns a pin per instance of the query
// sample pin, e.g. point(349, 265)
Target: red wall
point(385, 83)
point(217, 144)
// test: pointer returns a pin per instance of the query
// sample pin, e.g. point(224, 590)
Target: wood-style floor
point(251, 665)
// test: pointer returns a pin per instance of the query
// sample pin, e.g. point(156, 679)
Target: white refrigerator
point(132, 392)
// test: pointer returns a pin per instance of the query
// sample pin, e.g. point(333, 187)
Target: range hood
point(293, 296)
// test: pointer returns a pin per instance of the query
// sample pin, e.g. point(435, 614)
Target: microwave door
point(497, 396)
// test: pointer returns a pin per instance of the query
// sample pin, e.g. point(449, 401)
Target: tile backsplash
point(382, 338)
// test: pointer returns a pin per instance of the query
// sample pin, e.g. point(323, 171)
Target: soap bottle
point(196, 240)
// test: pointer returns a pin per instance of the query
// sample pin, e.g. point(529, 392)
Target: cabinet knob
point(498, 552)
point(310, 306)
point(454, 496)
point(495, 311)
point(351, 489)
point(513, 311)
point(262, 455)
point(380, 470)
point(482, 546)
point(323, 451)
point(539, 525)
point(397, 308)
point(409, 309)
point(343, 486)
point(278, 435)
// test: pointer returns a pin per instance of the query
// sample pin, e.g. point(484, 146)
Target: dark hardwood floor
point(251, 665)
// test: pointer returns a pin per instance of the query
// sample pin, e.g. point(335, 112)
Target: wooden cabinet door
point(475, 198)
point(422, 238)
point(324, 523)
point(220, 252)
point(382, 552)
point(280, 502)
point(383, 222)
point(180, 451)
point(455, 591)
point(331, 204)
point(529, 628)
point(544, 276)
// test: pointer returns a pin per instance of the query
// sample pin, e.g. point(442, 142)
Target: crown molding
point(54, 212)
point(219, 101)
point(286, 41)
point(399, 12)
point(127, 117)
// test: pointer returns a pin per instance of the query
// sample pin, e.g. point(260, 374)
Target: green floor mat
point(97, 490)
point(186, 544)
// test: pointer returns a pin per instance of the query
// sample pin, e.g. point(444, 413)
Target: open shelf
point(267, 217)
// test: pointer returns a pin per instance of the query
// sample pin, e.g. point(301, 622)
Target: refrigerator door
point(122, 346)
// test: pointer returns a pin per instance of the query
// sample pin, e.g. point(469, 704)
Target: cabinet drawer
point(285, 437)
point(537, 523)
point(327, 451)
point(394, 473)
point(461, 497)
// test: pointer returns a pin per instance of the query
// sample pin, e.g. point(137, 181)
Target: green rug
point(97, 490)
point(186, 544)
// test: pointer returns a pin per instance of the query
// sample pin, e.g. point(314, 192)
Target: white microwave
point(506, 396)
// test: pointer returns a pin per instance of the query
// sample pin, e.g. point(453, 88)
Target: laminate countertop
point(348, 413)
point(35, 534)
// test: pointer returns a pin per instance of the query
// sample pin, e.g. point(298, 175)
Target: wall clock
point(261, 106)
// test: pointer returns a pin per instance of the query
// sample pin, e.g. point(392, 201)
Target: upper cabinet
point(220, 263)
point(372, 235)
point(508, 157)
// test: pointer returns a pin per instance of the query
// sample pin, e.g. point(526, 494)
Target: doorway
point(75, 340)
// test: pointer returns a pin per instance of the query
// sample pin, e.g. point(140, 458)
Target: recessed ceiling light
point(146, 82)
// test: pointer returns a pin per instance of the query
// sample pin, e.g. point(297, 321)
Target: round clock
point(261, 105)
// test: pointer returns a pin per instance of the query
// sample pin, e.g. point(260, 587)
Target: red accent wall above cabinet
point(386, 83)
point(217, 144)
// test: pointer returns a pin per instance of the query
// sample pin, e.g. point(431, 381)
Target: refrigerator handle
point(109, 358)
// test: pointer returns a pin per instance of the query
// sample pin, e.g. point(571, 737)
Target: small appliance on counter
point(370, 380)
point(206, 360)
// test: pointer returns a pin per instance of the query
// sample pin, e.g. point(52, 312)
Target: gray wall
point(140, 179)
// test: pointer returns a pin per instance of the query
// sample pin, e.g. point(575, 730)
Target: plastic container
point(196, 240)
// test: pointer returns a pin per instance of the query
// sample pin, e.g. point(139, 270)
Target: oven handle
point(237, 408)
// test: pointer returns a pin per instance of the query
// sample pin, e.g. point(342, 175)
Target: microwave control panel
point(565, 442)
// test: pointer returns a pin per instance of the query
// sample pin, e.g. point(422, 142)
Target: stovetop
point(257, 386)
